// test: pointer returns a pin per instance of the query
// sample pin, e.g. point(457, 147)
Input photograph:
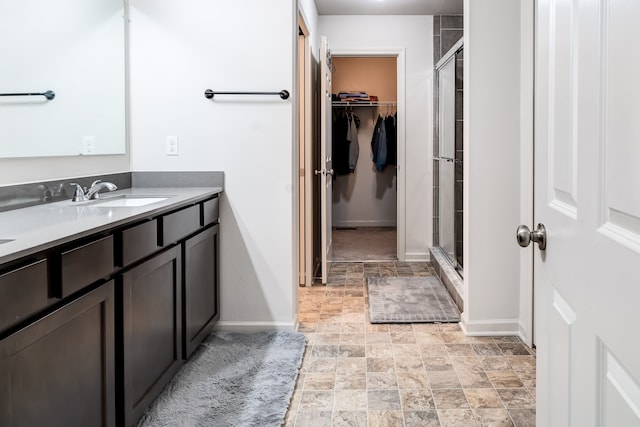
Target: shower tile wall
point(447, 30)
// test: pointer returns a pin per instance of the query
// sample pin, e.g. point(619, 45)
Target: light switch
point(88, 145)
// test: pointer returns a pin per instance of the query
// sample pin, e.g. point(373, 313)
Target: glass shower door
point(446, 157)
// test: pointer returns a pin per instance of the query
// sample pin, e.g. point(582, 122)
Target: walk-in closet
point(364, 146)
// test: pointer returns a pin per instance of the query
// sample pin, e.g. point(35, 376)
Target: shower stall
point(448, 157)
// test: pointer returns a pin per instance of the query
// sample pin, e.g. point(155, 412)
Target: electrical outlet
point(88, 145)
point(172, 145)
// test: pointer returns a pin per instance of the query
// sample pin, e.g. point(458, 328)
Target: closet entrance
point(364, 150)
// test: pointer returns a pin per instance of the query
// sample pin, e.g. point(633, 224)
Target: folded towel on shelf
point(353, 95)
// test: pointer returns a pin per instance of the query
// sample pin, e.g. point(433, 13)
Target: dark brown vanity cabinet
point(59, 370)
point(168, 291)
point(93, 329)
point(200, 298)
point(152, 330)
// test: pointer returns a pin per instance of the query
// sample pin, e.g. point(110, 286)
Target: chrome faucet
point(84, 194)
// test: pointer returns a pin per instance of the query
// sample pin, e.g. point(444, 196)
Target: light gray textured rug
point(410, 300)
point(232, 380)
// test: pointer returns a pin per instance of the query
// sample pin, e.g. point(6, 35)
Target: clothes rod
point(209, 94)
point(48, 94)
point(364, 103)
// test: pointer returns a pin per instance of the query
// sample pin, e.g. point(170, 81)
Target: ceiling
point(389, 7)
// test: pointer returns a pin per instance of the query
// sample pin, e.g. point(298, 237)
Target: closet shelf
point(364, 103)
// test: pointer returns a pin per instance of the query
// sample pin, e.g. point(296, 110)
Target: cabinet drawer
point(179, 224)
point(136, 242)
point(23, 292)
point(210, 212)
point(86, 264)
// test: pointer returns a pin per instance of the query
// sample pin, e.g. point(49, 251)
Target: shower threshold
point(449, 275)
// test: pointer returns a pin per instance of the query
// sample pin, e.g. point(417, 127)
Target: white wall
point(179, 49)
point(492, 169)
point(35, 169)
point(414, 34)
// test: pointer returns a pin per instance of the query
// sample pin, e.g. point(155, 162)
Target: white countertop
point(41, 227)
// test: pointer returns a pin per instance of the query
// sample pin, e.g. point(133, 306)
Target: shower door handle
point(524, 236)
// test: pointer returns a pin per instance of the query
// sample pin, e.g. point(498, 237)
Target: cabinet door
point(151, 304)
point(59, 370)
point(201, 304)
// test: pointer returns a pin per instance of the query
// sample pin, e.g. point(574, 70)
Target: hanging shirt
point(354, 145)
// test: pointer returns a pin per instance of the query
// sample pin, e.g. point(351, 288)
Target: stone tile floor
point(355, 373)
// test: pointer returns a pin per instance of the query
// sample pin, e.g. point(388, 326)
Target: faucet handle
point(78, 195)
point(46, 195)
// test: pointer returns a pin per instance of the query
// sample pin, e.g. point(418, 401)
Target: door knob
point(524, 236)
point(324, 172)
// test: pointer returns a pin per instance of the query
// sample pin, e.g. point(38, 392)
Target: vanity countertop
point(33, 229)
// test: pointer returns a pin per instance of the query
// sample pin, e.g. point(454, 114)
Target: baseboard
point(523, 334)
point(417, 256)
point(495, 327)
point(234, 326)
point(357, 223)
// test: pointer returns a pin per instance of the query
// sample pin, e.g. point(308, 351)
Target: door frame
point(325, 165)
point(305, 145)
point(399, 54)
point(527, 79)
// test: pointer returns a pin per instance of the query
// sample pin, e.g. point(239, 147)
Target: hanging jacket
point(375, 141)
point(339, 143)
point(379, 144)
point(392, 139)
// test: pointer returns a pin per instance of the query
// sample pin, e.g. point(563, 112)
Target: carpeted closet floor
point(364, 244)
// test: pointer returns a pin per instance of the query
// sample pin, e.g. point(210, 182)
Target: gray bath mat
point(410, 300)
point(232, 380)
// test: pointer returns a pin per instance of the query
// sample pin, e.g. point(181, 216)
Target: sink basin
point(5, 241)
point(127, 201)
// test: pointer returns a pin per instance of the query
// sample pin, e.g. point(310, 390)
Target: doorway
point(364, 139)
point(313, 233)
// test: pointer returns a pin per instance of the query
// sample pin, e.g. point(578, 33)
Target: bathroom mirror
point(76, 49)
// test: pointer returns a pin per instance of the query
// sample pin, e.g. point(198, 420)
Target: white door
point(587, 194)
point(326, 166)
